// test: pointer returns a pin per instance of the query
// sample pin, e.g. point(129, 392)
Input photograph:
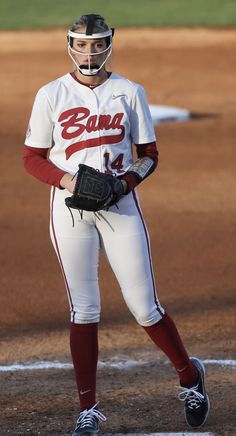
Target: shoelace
point(192, 396)
point(87, 417)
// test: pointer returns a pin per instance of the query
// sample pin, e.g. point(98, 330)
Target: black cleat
point(197, 404)
point(88, 422)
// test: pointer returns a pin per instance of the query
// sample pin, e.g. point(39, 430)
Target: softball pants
point(122, 234)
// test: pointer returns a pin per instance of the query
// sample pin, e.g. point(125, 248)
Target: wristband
point(142, 167)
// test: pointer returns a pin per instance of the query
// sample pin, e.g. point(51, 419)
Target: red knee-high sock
point(84, 352)
point(165, 335)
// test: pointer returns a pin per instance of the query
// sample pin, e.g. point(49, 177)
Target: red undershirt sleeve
point(150, 150)
point(37, 164)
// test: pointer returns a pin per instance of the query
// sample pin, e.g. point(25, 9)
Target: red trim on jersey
point(86, 84)
point(37, 164)
point(59, 256)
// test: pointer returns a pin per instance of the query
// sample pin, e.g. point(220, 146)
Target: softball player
point(96, 117)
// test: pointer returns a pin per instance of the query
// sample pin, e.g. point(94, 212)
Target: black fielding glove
point(94, 190)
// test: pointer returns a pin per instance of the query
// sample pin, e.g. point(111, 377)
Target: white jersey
point(96, 126)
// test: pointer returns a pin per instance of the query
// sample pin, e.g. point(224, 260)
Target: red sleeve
point(150, 150)
point(37, 164)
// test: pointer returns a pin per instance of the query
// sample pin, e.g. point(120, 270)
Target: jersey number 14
point(115, 165)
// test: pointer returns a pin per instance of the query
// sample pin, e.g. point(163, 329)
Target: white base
point(165, 114)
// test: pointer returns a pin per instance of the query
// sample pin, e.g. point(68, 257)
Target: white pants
point(122, 234)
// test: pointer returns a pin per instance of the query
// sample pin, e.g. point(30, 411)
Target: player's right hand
point(68, 182)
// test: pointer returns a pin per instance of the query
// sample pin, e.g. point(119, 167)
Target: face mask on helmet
point(90, 68)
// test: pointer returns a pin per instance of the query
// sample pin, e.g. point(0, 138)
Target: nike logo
point(84, 392)
point(117, 96)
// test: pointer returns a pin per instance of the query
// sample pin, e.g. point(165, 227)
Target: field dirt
point(189, 205)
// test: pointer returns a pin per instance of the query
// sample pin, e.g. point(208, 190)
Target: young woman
point(96, 117)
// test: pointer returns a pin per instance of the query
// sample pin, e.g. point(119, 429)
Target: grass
point(21, 14)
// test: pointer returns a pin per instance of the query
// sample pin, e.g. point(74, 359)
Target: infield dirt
point(189, 205)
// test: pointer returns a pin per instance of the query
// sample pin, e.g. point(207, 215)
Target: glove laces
point(192, 396)
point(97, 214)
point(72, 216)
point(88, 416)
